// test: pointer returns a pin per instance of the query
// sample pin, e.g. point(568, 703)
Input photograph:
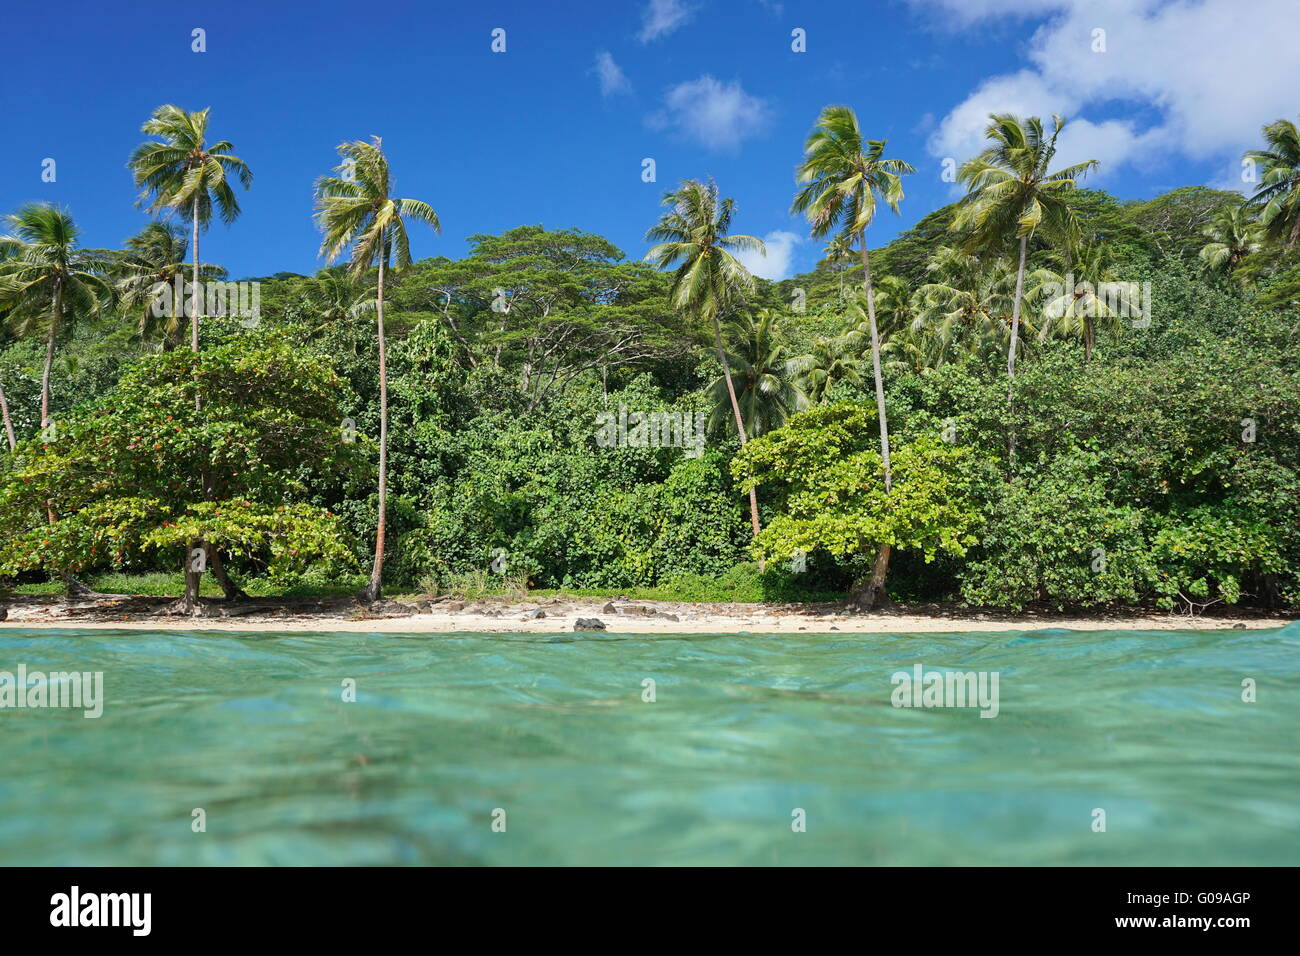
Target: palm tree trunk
point(194, 302)
point(9, 425)
point(740, 419)
point(56, 314)
point(372, 591)
point(875, 363)
point(1015, 338)
point(866, 598)
point(56, 317)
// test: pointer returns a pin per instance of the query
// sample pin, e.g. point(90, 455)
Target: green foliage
point(830, 489)
point(1138, 452)
point(141, 472)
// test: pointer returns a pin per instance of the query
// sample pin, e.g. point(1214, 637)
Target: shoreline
point(497, 615)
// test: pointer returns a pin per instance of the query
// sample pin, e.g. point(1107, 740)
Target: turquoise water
point(553, 730)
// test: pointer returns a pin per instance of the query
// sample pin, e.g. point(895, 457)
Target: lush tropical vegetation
point(1039, 395)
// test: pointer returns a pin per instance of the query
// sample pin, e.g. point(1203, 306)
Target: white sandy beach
point(497, 616)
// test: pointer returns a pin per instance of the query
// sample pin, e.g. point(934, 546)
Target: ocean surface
point(633, 749)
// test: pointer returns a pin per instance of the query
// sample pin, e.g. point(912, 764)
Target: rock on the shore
point(534, 614)
point(588, 624)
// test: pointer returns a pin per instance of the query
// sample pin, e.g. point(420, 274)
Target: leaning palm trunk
point(9, 425)
point(372, 591)
point(865, 596)
point(740, 419)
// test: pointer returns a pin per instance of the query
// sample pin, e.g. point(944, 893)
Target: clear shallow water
point(1149, 726)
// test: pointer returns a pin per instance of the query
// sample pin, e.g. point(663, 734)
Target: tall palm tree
point(1012, 193)
point(357, 214)
point(1278, 196)
point(1233, 235)
point(184, 174)
point(709, 282)
point(839, 180)
point(46, 282)
point(155, 258)
point(1070, 297)
point(765, 378)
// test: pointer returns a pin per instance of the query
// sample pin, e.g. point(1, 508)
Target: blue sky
point(555, 129)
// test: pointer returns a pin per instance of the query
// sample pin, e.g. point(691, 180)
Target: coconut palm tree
point(358, 215)
point(1012, 193)
point(335, 296)
point(709, 282)
point(184, 174)
point(1278, 196)
point(966, 307)
point(764, 377)
point(1073, 299)
point(833, 359)
point(839, 252)
point(155, 258)
point(840, 179)
point(46, 282)
point(1233, 235)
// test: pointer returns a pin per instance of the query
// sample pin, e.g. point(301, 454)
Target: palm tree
point(839, 181)
point(765, 379)
point(965, 308)
point(1278, 195)
point(1012, 193)
point(46, 282)
point(333, 297)
point(155, 258)
point(184, 174)
point(357, 214)
point(1073, 299)
point(838, 252)
point(1233, 236)
point(833, 359)
point(709, 282)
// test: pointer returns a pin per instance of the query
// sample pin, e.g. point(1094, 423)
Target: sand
point(500, 615)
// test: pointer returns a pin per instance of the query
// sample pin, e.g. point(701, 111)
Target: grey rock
point(609, 608)
point(535, 614)
point(588, 624)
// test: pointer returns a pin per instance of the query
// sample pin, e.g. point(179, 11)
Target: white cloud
point(662, 17)
point(780, 253)
point(1209, 76)
point(717, 115)
point(612, 78)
